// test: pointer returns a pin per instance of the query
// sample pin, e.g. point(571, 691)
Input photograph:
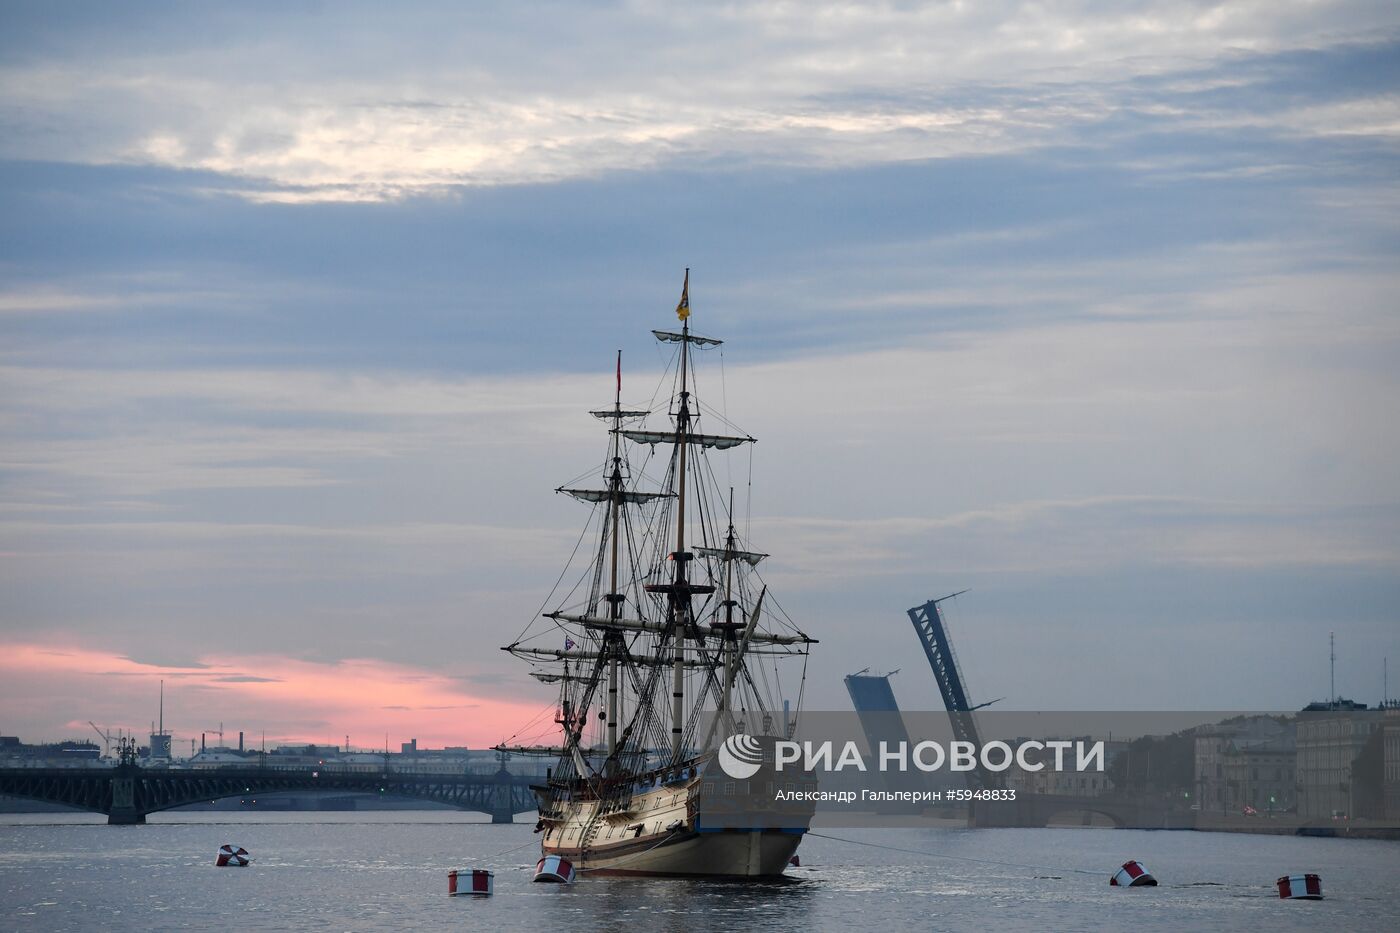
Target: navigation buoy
point(475, 881)
point(1133, 874)
point(555, 869)
point(1300, 887)
point(232, 855)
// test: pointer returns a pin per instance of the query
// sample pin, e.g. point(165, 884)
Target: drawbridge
point(938, 647)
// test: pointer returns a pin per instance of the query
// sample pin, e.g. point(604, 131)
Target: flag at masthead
point(683, 309)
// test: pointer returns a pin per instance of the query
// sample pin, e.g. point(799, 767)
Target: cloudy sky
point(1087, 307)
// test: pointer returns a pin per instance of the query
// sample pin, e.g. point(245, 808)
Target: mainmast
point(680, 590)
point(680, 596)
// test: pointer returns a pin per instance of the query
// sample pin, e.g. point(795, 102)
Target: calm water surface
point(387, 871)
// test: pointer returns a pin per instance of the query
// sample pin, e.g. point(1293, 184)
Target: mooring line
point(491, 858)
point(960, 858)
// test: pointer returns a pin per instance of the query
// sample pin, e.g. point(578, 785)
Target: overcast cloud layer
point(1090, 308)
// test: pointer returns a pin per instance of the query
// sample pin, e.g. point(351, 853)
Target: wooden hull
point(720, 854)
point(656, 836)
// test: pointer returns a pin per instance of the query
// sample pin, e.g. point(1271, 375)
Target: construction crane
point(933, 635)
point(106, 739)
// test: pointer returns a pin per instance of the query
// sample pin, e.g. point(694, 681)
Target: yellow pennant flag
point(683, 309)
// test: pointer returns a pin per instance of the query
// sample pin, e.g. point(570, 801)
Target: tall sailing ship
point(666, 642)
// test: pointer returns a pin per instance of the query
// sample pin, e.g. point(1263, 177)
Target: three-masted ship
point(666, 642)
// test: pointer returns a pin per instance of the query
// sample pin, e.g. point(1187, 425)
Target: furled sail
point(554, 750)
point(673, 337)
point(606, 413)
point(604, 495)
point(749, 557)
point(638, 625)
point(553, 654)
point(717, 441)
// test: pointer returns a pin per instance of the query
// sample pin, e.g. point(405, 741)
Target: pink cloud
point(52, 691)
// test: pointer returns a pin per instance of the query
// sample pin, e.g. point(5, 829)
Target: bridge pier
point(501, 810)
point(124, 811)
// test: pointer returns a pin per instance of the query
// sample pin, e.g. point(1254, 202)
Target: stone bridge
point(127, 793)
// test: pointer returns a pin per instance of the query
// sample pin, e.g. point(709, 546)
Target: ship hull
point(749, 854)
point(655, 834)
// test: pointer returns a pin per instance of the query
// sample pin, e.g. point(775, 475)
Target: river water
point(388, 871)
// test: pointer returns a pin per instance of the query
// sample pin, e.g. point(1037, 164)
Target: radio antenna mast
point(1332, 650)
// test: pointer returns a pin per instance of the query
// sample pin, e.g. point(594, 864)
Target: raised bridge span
point(127, 792)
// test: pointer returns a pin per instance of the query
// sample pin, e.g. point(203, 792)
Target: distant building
point(1261, 774)
point(67, 754)
point(1223, 764)
point(297, 756)
point(358, 762)
point(220, 757)
point(1390, 742)
point(1331, 736)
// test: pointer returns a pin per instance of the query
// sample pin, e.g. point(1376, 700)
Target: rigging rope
point(536, 718)
point(724, 416)
point(555, 588)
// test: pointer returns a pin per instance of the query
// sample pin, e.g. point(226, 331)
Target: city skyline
point(1087, 308)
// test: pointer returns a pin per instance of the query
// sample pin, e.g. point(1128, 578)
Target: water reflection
point(684, 904)
point(351, 873)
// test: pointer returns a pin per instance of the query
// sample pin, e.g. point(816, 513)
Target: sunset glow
point(285, 700)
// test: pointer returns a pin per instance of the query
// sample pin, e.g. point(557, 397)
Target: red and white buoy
point(1133, 874)
point(556, 869)
point(474, 881)
point(236, 856)
point(1300, 888)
